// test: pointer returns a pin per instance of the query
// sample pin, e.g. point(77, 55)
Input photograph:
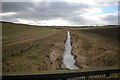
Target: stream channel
point(68, 59)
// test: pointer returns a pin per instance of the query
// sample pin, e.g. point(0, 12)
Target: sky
point(60, 12)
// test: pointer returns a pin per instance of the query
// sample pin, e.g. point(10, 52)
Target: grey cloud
point(77, 20)
point(9, 18)
point(42, 10)
point(111, 19)
point(15, 6)
point(50, 10)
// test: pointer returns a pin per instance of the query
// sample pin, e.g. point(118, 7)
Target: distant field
point(111, 32)
point(16, 33)
point(19, 35)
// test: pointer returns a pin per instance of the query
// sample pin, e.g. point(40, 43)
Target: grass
point(15, 32)
point(16, 35)
point(97, 46)
point(29, 48)
point(57, 71)
point(34, 49)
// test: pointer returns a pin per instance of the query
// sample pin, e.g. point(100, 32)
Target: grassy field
point(31, 48)
point(28, 48)
point(96, 47)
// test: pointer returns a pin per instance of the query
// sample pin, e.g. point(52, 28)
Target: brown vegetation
point(32, 48)
point(95, 47)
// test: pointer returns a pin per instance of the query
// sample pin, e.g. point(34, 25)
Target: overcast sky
point(67, 12)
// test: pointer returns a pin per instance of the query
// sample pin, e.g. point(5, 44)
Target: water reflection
point(68, 59)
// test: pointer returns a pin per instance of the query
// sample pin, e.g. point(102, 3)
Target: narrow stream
point(68, 59)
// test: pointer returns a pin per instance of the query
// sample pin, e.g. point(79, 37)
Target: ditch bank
point(77, 50)
point(47, 55)
point(93, 50)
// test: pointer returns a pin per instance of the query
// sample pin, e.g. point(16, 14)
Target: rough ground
point(32, 48)
point(95, 47)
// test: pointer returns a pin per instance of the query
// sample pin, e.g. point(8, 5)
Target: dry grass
point(28, 48)
point(33, 49)
point(97, 46)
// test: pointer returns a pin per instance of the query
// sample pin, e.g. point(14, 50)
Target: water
point(68, 59)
